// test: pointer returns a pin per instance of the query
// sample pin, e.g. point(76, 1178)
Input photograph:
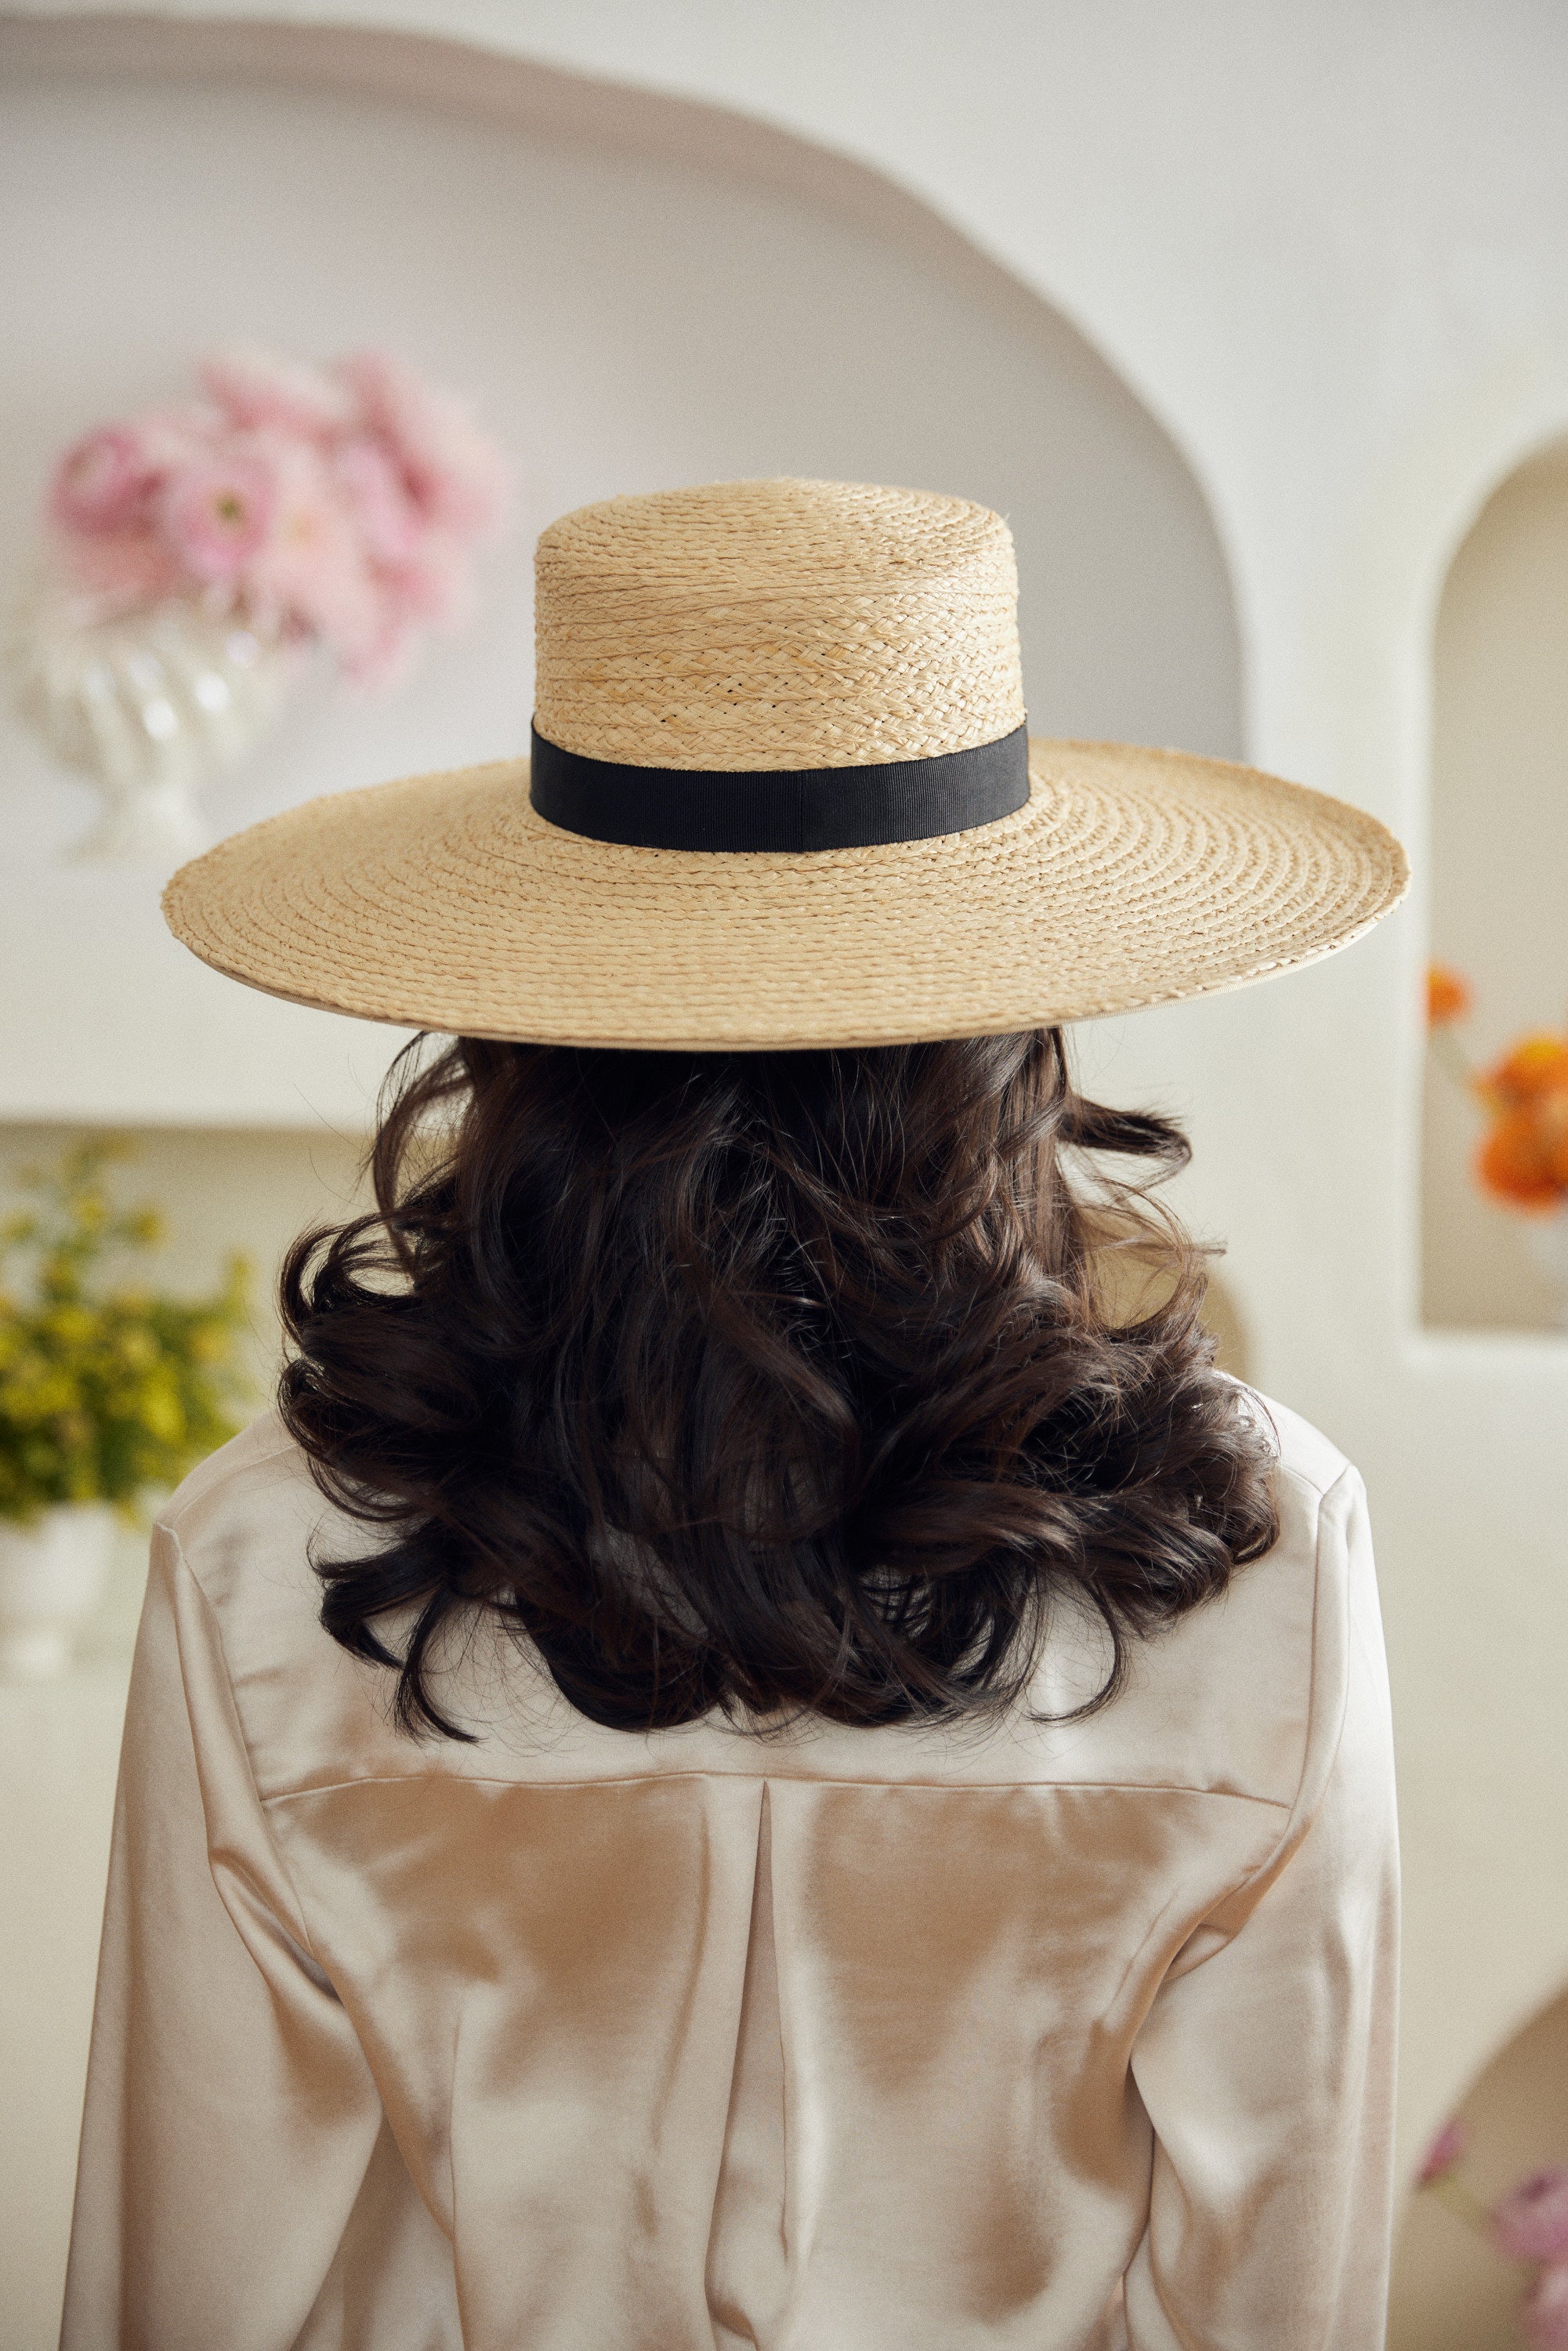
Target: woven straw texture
point(776, 624)
point(785, 625)
point(1130, 877)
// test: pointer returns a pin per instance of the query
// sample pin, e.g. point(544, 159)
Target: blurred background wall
point(1499, 857)
point(1244, 315)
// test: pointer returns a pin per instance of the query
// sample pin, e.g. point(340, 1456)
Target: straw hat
point(781, 793)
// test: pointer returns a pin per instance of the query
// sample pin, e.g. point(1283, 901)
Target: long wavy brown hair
point(766, 1383)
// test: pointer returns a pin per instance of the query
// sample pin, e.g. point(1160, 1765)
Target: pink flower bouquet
point(1531, 2223)
point(1543, 2313)
point(1527, 2226)
point(340, 505)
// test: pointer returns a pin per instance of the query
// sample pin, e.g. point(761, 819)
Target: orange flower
point(1524, 1158)
point(1534, 1071)
point(1447, 995)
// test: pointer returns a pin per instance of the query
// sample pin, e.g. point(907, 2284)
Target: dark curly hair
point(769, 1383)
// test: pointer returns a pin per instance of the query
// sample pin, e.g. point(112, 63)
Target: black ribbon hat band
point(781, 808)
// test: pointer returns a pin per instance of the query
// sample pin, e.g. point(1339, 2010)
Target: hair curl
point(766, 1383)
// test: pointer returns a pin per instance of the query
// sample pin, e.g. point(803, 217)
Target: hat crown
point(777, 624)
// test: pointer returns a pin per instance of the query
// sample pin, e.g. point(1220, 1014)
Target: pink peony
point(434, 587)
point(1444, 2153)
point(432, 591)
point(388, 522)
point(117, 569)
point(455, 478)
point(218, 512)
point(382, 659)
point(338, 505)
point(311, 574)
point(103, 480)
point(175, 436)
point(1531, 2223)
point(1543, 2313)
point(257, 388)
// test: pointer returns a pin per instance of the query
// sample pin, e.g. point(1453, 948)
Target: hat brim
point(1130, 877)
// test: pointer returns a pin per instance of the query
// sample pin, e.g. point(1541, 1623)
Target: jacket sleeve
point(230, 2111)
point(1266, 2063)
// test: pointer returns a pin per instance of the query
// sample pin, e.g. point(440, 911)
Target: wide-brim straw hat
point(781, 793)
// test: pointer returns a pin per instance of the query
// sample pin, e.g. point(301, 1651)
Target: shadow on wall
point(1451, 2292)
point(1498, 866)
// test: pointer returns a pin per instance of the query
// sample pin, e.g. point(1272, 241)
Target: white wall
point(58, 1747)
point(634, 311)
point(638, 308)
point(1325, 246)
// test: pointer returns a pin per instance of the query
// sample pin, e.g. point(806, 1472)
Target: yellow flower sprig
point(106, 1392)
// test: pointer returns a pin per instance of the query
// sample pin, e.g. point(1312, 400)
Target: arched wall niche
point(1498, 859)
point(1459, 1430)
point(1450, 2291)
point(1460, 1436)
point(642, 291)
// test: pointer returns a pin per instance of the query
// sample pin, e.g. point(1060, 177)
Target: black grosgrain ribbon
point(779, 808)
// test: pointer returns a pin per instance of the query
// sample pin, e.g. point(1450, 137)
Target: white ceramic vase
point(53, 1571)
point(148, 702)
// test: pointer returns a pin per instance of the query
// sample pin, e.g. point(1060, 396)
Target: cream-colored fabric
point(844, 2041)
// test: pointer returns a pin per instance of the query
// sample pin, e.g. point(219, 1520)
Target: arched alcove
point(1497, 874)
point(642, 292)
point(1451, 2291)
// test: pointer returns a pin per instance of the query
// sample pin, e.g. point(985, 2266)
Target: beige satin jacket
point(841, 2041)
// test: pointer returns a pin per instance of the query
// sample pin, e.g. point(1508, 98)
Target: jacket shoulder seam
point(793, 1778)
point(205, 1602)
point(198, 1486)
